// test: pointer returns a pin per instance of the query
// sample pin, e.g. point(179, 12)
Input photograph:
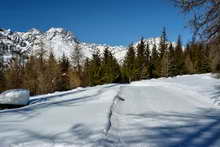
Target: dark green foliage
point(179, 57)
point(129, 65)
point(163, 43)
point(85, 71)
point(203, 63)
point(154, 62)
point(141, 60)
point(172, 69)
point(95, 72)
point(110, 68)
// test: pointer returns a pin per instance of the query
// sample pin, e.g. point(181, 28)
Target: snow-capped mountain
point(57, 40)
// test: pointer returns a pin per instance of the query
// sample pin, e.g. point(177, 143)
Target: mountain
point(57, 40)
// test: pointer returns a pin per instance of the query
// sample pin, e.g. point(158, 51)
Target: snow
point(15, 97)
point(179, 111)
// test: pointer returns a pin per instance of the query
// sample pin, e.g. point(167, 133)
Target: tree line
point(42, 73)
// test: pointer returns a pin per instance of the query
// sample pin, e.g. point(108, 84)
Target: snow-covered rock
point(15, 97)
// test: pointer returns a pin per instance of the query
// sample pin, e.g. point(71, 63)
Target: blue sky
point(114, 22)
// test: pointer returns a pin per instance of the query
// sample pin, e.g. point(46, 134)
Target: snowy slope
point(179, 111)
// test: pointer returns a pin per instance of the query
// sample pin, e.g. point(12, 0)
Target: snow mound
point(15, 97)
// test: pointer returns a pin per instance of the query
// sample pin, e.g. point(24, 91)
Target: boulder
point(15, 97)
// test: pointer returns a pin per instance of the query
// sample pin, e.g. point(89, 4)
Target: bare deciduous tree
point(205, 17)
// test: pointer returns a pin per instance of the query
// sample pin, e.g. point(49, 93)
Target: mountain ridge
point(57, 40)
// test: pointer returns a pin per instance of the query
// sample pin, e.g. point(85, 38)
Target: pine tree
point(203, 63)
point(51, 73)
point(163, 55)
point(129, 67)
point(110, 68)
point(172, 67)
point(86, 73)
point(63, 83)
point(163, 43)
point(154, 62)
point(41, 69)
point(179, 57)
point(164, 62)
point(146, 62)
point(95, 72)
point(141, 59)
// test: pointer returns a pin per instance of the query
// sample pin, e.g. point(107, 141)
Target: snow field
point(179, 111)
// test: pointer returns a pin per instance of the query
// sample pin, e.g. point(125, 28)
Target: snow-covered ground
point(180, 111)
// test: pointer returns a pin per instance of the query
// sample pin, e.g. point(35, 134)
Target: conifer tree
point(203, 63)
point(86, 73)
point(188, 63)
point(95, 72)
point(179, 57)
point(141, 59)
point(110, 68)
point(41, 69)
point(146, 62)
point(164, 62)
point(163, 43)
point(51, 73)
point(163, 55)
point(63, 77)
point(172, 67)
point(154, 61)
point(129, 67)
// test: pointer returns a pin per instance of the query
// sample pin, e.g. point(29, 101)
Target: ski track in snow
point(182, 111)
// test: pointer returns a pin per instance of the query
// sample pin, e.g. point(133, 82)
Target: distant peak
point(35, 31)
point(52, 30)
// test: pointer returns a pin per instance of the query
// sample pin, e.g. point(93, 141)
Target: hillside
point(179, 111)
